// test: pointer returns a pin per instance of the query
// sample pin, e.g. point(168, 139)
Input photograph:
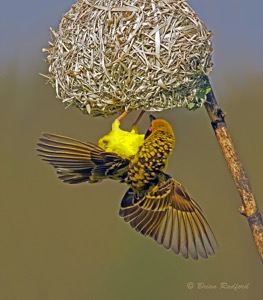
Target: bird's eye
point(105, 142)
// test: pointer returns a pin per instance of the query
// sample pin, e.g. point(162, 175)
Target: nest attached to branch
point(110, 56)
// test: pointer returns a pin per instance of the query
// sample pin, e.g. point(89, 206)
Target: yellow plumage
point(155, 204)
point(124, 143)
point(152, 156)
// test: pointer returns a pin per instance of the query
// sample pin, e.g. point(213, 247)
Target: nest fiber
point(111, 56)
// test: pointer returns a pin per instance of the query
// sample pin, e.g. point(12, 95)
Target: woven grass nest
point(111, 56)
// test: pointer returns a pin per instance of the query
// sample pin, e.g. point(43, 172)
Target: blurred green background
point(61, 242)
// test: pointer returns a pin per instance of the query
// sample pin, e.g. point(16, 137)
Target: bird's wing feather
point(171, 217)
point(77, 161)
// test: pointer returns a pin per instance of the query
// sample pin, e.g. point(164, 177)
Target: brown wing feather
point(77, 161)
point(171, 217)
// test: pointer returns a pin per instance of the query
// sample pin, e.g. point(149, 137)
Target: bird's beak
point(151, 117)
point(149, 131)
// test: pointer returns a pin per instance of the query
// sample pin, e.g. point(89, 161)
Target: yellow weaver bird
point(155, 204)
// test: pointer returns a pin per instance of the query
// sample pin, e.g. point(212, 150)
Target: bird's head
point(158, 125)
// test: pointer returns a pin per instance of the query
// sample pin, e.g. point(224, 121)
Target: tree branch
point(249, 206)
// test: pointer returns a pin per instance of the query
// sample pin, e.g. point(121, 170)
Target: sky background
point(60, 242)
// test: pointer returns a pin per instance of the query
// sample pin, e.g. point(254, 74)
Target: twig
point(249, 206)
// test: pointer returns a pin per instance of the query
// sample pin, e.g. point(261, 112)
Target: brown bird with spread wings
point(155, 204)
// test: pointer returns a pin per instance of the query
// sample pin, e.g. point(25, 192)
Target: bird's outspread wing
point(77, 161)
point(171, 217)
